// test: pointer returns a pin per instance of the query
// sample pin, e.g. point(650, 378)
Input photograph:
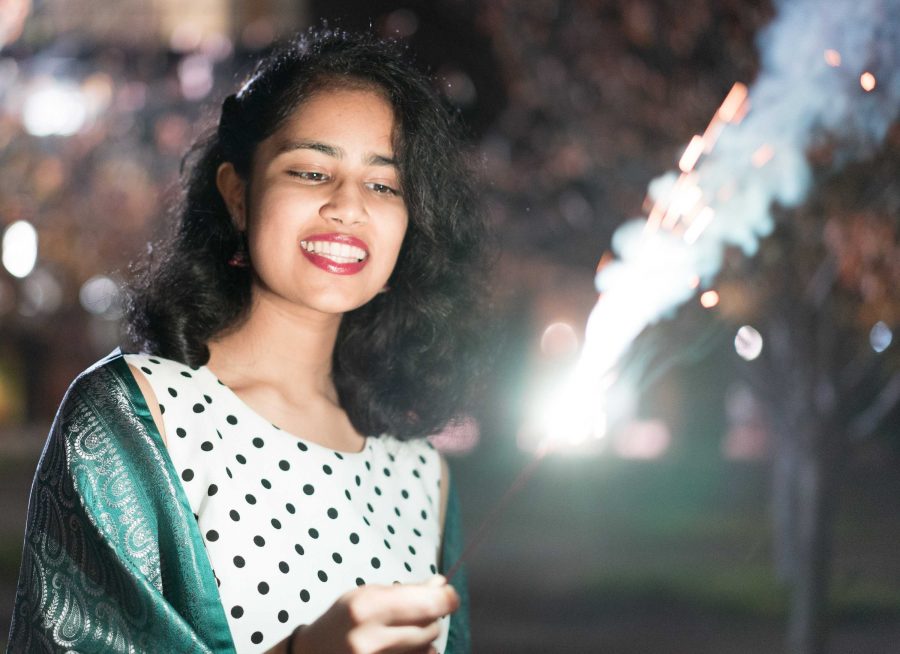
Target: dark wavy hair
point(406, 362)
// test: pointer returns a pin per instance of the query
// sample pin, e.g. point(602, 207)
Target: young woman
point(254, 478)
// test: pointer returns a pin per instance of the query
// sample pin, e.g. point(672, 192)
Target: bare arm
point(150, 398)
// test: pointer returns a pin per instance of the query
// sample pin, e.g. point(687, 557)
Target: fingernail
point(436, 580)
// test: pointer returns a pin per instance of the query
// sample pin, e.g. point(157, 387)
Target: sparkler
point(728, 177)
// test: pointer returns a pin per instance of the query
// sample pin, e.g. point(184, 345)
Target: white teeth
point(338, 252)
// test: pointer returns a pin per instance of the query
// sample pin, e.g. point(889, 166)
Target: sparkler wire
point(524, 475)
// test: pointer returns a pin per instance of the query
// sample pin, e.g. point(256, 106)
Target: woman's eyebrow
point(332, 151)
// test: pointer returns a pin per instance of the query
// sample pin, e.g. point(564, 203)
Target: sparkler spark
point(728, 177)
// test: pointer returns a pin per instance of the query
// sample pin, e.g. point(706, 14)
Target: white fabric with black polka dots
point(289, 526)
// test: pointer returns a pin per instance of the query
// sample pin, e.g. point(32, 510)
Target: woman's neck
point(285, 348)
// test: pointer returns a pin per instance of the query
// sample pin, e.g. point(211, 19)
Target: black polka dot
point(147, 370)
point(387, 472)
point(302, 446)
point(185, 374)
point(173, 392)
point(284, 567)
point(347, 494)
point(156, 361)
point(258, 442)
point(276, 523)
point(416, 474)
point(332, 513)
point(397, 511)
point(339, 455)
point(206, 446)
point(240, 458)
point(308, 489)
point(422, 459)
point(375, 562)
point(207, 399)
point(234, 515)
point(162, 409)
point(262, 587)
point(417, 532)
point(290, 508)
point(284, 465)
point(313, 532)
point(181, 433)
point(304, 595)
point(358, 480)
point(237, 611)
point(378, 491)
point(326, 469)
point(366, 520)
point(337, 558)
point(433, 569)
point(387, 544)
point(354, 538)
point(256, 638)
point(405, 494)
point(360, 581)
point(424, 514)
point(212, 490)
point(231, 420)
point(239, 561)
point(370, 507)
point(407, 566)
point(212, 535)
point(283, 616)
point(187, 474)
point(219, 434)
point(199, 408)
point(265, 483)
point(368, 466)
point(250, 498)
point(390, 528)
point(299, 549)
point(392, 457)
point(412, 550)
point(259, 541)
point(322, 576)
point(228, 472)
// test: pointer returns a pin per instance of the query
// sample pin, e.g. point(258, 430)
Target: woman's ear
point(232, 188)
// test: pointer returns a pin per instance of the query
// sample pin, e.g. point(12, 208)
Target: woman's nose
point(345, 206)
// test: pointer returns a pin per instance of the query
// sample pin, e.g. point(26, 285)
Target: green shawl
point(113, 559)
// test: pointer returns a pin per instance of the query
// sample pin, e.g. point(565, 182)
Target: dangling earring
point(240, 258)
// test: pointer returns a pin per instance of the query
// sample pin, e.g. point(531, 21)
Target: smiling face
point(322, 207)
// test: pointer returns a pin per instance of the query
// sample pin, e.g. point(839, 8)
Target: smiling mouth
point(337, 252)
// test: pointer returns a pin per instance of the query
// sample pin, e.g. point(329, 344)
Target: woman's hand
point(380, 620)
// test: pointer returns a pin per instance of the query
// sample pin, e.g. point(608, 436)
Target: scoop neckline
point(246, 408)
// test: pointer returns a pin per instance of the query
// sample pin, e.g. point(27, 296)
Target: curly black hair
point(406, 362)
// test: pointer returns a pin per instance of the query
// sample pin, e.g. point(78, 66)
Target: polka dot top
point(289, 525)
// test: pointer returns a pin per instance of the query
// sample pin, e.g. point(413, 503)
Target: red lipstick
point(339, 254)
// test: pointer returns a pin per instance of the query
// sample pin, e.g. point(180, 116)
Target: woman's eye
point(309, 175)
point(383, 189)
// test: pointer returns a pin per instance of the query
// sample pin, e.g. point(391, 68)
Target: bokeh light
point(709, 299)
point(20, 248)
point(748, 343)
point(100, 296)
point(54, 108)
point(458, 437)
point(642, 440)
point(867, 81)
point(880, 337)
point(558, 340)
